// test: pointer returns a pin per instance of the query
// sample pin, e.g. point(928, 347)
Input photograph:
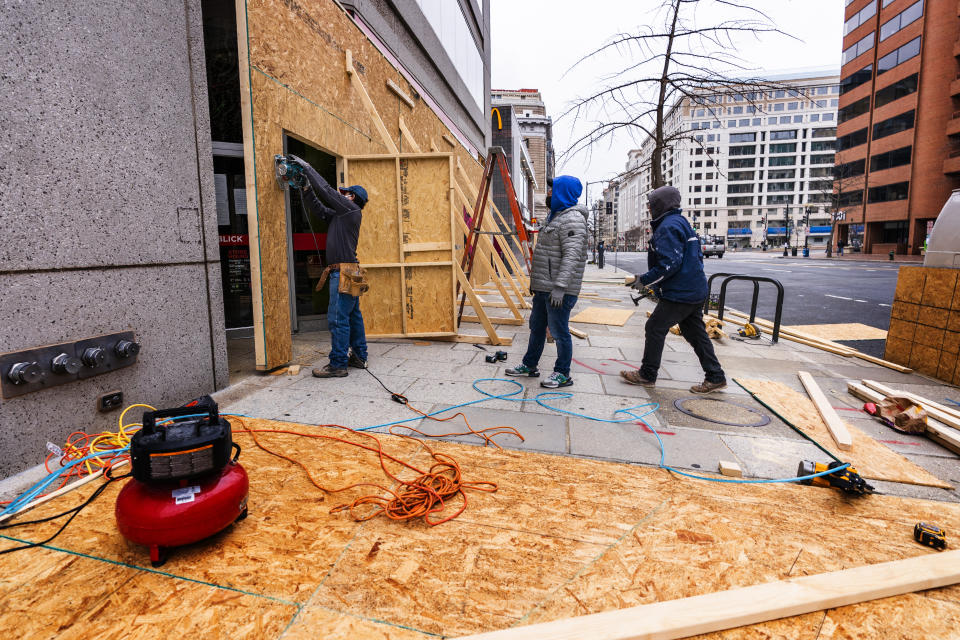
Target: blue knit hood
point(566, 193)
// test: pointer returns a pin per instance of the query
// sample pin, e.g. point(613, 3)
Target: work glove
point(309, 171)
point(556, 298)
point(634, 283)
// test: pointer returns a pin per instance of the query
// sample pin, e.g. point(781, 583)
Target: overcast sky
point(534, 42)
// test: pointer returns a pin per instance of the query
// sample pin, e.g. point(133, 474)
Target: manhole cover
point(721, 412)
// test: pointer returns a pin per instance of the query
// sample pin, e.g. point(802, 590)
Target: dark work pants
point(544, 315)
point(690, 319)
point(600, 259)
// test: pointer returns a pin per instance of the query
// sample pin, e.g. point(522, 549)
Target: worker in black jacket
point(341, 208)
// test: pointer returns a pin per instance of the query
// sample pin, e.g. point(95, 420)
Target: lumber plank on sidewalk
point(721, 610)
point(839, 431)
point(942, 427)
point(872, 459)
point(603, 315)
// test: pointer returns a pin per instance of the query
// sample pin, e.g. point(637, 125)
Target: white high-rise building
point(753, 167)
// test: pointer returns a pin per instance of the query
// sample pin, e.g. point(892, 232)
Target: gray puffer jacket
point(561, 252)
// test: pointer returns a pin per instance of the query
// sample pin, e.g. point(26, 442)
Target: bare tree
point(674, 59)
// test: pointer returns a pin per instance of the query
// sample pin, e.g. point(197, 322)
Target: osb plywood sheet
point(560, 537)
point(603, 315)
point(428, 299)
point(298, 84)
point(74, 597)
point(426, 184)
point(379, 233)
point(848, 331)
point(382, 305)
point(872, 459)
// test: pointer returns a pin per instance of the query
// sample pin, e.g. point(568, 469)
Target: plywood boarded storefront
point(307, 72)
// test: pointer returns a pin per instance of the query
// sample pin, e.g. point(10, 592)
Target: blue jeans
point(346, 325)
point(543, 316)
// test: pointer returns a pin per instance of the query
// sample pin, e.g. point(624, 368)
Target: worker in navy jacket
point(675, 276)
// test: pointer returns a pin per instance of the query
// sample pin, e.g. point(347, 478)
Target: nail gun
point(846, 479)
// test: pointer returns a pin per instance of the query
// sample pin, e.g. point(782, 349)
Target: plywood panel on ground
point(845, 331)
point(603, 315)
point(872, 459)
point(561, 537)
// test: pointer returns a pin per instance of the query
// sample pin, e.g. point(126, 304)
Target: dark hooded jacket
point(674, 259)
point(342, 215)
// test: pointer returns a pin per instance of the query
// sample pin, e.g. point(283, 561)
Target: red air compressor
point(185, 487)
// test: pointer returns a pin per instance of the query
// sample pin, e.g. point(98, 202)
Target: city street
point(816, 291)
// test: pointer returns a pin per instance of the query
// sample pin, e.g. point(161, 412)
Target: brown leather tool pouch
point(353, 279)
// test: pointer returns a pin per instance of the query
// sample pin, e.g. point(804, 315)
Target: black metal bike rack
point(756, 280)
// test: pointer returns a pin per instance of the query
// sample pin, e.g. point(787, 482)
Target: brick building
point(898, 133)
point(536, 129)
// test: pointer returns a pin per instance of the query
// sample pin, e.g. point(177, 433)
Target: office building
point(899, 130)
point(536, 129)
point(754, 167)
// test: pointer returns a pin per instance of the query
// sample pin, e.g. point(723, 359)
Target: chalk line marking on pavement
point(859, 300)
point(837, 297)
point(884, 305)
point(780, 270)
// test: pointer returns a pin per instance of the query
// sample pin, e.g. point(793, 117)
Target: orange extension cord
point(421, 497)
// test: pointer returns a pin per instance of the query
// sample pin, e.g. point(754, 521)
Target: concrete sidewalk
point(438, 375)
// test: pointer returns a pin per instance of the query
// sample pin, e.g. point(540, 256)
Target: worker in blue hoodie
point(555, 278)
point(675, 275)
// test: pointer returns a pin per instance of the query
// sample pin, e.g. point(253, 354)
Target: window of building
point(814, 117)
point(856, 79)
point(712, 137)
point(822, 159)
point(849, 198)
point(823, 172)
point(860, 17)
point(893, 125)
point(709, 188)
point(781, 174)
point(779, 94)
point(709, 176)
point(852, 140)
point(850, 169)
point(744, 123)
point(731, 123)
point(797, 119)
point(793, 106)
point(696, 189)
point(739, 201)
point(783, 148)
point(899, 56)
point(854, 109)
point(784, 119)
point(698, 176)
point(748, 150)
point(827, 116)
point(778, 106)
point(741, 175)
point(780, 199)
point(780, 186)
point(908, 16)
point(737, 110)
point(784, 135)
point(742, 137)
point(825, 145)
point(771, 121)
point(861, 47)
point(756, 122)
point(783, 161)
point(897, 90)
point(888, 192)
point(742, 163)
point(890, 159)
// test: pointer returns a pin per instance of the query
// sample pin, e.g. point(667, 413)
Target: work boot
point(354, 361)
point(556, 380)
point(523, 370)
point(329, 371)
point(706, 387)
point(635, 377)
